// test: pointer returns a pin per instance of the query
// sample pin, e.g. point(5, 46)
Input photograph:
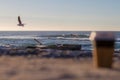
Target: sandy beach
point(36, 68)
point(59, 39)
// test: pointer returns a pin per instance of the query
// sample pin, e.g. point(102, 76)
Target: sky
point(60, 15)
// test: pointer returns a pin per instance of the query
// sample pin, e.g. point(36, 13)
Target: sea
point(27, 38)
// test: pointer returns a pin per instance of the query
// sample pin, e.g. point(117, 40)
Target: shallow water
point(26, 38)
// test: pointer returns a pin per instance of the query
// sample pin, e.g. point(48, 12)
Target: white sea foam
point(22, 38)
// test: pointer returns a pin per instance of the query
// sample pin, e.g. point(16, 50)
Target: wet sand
point(36, 68)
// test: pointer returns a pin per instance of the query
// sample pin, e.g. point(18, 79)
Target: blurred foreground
point(36, 68)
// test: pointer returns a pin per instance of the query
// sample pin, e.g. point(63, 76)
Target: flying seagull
point(20, 22)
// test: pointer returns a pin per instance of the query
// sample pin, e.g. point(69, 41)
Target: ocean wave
point(20, 37)
point(63, 38)
point(68, 35)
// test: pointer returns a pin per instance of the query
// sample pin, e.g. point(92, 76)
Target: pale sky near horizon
point(60, 15)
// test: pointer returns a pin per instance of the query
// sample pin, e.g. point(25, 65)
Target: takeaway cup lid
point(101, 36)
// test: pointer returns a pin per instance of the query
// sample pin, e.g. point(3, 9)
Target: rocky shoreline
point(48, 53)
